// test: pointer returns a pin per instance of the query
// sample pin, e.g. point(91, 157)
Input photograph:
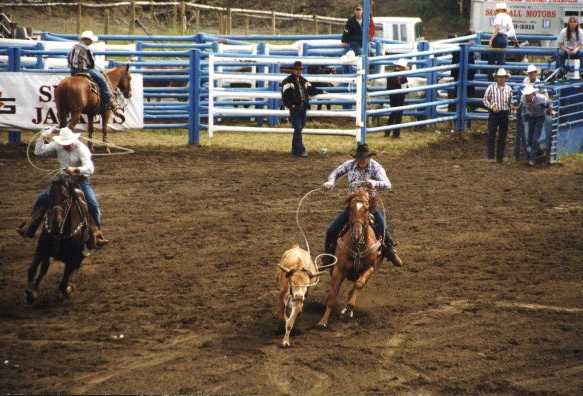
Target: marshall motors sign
point(27, 101)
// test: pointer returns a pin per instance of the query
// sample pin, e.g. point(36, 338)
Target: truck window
point(403, 32)
point(418, 31)
point(396, 32)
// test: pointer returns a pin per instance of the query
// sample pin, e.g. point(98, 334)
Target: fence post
point(316, 24)
point(79, 14)
point(273, 86)
point(261, 50)
point(182, 17)
point(229, 20)
point(194, 97)
point(197, 20)
point(246, 25)
point(273, 23)
point(14, 59)
point(106, 27)
point(462, 91)
point(133, 16)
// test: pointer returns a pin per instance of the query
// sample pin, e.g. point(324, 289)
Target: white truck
point(407, 30)
point(529, 17)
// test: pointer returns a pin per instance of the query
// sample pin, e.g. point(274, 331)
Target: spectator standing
point(397, 99)
point(498, 100)
point(295, 93)
point(503, 29)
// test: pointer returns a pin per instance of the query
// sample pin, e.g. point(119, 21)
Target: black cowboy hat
point(362, 152)
point(297, 65)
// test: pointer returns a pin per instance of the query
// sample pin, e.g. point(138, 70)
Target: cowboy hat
point(297, 65)
point(501, 6)
point(531, 68)
point(66, 137)
point(529, 90)
point(501, 73)
point(88, 34)
point(402, 62)
point(363, 152)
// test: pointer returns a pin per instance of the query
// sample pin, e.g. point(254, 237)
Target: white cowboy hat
point(529, 90)
point(501, 6)
point(66, 137)
point(501, 73)
point(531, 68)
point(402, 62)
point(348, 56)
point(88, 34)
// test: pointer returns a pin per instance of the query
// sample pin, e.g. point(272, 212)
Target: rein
point(76, 231)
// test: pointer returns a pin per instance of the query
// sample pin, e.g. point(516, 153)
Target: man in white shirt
point(503, 29)
point(498, 99)
point(535, 110)
point(74, 159)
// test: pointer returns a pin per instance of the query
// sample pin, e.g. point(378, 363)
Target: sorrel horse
point(358, 252)
point(62, 237)
point(74, 96)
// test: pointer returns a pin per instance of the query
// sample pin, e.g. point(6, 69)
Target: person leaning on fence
point(570, 42)
point(295, 93)
point(352, 34)
point(398, 99)
point(503, 29)
point(82, 60)
point(498, 99)
point(535, 109)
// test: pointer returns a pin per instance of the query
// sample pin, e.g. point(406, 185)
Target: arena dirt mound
point(489, 301)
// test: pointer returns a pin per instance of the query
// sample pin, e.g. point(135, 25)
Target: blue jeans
point(563, 57)
point(340, 222)
point(519, 135)
point(298, 121)
point(498, 57)
point(42, 200)
point(534, 129)
point(99, 78)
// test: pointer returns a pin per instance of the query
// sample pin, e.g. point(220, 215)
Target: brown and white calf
point(296, 273)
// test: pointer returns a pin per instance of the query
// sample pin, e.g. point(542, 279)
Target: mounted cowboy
point(74, 159)
point(362, 170)
point(82, 61)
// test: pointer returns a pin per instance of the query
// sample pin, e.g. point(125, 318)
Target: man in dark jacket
point(352, 34)
point(295, 93)
point(397, 100)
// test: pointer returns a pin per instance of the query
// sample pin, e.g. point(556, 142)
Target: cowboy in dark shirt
point(295, 93)
point(397, 100)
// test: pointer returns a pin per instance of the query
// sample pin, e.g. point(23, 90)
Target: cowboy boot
point(100, 240)
point(28, 231)
point(391, 254)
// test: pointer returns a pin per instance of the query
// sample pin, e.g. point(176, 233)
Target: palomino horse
point(62, 235)
point(74, 97)
point(358, 252)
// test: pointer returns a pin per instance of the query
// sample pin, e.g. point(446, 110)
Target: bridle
point(60, 234)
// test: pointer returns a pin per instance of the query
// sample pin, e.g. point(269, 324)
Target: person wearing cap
point(503, 28)
point(74, 159)
point(570, 42)
point(295, 93)
point(352, 34)
point(398, 99)
point(535, 109)
point(498, 99)
point(362, 169)
point(82, 60)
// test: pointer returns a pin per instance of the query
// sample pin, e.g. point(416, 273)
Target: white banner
point(27, 101)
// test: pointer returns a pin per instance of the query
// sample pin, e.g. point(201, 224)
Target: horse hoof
point(285, 344)
point(323, 326)
point(67, 291)
point(30, 297)
point(347, 312)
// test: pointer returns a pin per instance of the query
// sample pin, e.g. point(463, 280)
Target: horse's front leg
point(31, 294)
point(358, 286)
point(337, 279)
point(104, 121)
point(65, 286)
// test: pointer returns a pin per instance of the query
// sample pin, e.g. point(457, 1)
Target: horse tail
point(60, 100)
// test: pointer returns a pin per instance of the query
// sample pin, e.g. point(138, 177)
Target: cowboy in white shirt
point(503, 28)
point(74, 159)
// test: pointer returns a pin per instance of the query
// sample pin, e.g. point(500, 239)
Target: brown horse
point(358, 252)
point(62, 235)
point(74, 96)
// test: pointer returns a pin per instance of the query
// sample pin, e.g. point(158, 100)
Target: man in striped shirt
point(498, 100)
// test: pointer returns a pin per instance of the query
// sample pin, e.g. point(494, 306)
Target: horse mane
point(372, 200)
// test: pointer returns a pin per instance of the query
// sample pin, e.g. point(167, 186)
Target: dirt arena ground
point(490, 300)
